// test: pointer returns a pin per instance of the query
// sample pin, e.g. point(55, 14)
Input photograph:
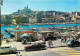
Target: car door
point(76, 43)
point(7, 49)
point(38, 46)
point(33, 47)
point(1, 50)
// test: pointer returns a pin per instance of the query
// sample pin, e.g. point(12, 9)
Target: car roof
point(71, 39)
point(35, 43)
point(5, 45)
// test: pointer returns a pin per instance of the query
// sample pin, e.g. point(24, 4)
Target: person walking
point(7, 41)
point(69, 38)
point(44, 40)
point(24, 40)
point(65, 39)
point(50, 43)
point(62, 39)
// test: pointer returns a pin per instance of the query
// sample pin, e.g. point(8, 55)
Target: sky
point(10, 6)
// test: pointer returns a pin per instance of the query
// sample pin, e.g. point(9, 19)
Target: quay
point(56, 32)
point(41, 32)
point(51, 28)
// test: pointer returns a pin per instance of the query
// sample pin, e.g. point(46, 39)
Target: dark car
point(35, 46)
point(73, 43)
point(49, 38)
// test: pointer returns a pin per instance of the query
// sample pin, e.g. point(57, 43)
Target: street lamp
point(1, 3)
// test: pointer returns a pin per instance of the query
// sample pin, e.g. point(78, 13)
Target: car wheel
point(41, 48)
point(69, 45)
point(28, 49)
point(10, 51)
point(45, 48)
point(78, 45)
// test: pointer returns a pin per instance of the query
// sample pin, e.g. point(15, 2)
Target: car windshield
point(34, 44)
point(4, 47)
point(70, 39)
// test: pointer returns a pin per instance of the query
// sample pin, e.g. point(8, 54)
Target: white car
point(7, 48)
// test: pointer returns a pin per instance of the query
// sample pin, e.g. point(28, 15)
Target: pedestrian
point(24, 40)
point(50, 43)
point(62, 39)
point(65, 39)
point(74, 38)
point(69, 38)
point(39, 38)
point(44, 39)
point(7, 41)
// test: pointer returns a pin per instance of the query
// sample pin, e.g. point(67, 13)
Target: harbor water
point(6, 35)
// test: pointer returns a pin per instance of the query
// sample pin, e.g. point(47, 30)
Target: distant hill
point(27, 11)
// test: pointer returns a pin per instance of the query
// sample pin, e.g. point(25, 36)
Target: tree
point(19, 20)
point(8, 19)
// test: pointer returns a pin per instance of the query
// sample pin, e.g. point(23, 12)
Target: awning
point(24, 35)
point(1, 34)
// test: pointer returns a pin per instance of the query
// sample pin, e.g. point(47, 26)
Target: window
point(7, 47)
point(35, 44)
point(4, 47)
point(39, 44)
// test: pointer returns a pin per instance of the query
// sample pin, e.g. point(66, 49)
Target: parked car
point(72, 43)
point(7, 49)
point(50, 38)
point(34, 46)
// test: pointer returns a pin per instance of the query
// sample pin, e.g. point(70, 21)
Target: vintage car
point(35, 46)
point(7, 49)
point(73, 43)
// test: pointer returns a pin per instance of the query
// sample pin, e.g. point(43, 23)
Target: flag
point(13, 21)
point(17, 26)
